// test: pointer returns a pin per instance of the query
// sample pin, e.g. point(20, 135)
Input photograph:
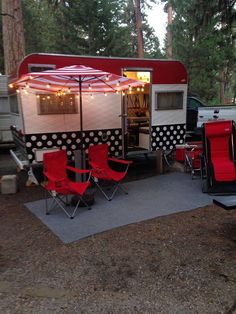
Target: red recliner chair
point(98, 157)
point(218, 160)
point(59, 186)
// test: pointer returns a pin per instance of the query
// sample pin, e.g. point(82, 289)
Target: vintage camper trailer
point(147, 120)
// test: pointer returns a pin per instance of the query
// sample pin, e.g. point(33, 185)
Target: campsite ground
point(181, 263)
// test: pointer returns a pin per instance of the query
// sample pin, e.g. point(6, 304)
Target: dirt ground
point(181, 263)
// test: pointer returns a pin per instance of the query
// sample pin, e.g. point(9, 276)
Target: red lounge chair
point(102, 172)
point(59, 185)
point(218, 163)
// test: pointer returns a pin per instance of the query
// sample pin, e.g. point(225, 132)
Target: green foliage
point(41, 30)
point(204, 41)
point(95, 27)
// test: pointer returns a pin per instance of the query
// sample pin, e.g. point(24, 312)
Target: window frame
point(157, 93)
point(37, 67)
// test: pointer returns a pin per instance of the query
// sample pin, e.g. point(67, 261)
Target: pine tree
point(13, 34)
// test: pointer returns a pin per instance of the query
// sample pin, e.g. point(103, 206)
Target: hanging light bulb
point(11, 85)
point(138, 89)
point(27, 85)
point(59, 93)
point(91, 96)
point(68, 90)
point(18, 91)
point(37, 96)
point(123, 93)
point(130, 88)
point(90, 87)
point(107, 78)
point(30, 77)
point(48, 85)
point(105, 94)
point(142, 89)
point(48, 97)
point(118, 83)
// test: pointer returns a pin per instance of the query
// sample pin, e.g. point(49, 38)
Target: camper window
point(40, 67)
point(169, 100)
point(52, 104)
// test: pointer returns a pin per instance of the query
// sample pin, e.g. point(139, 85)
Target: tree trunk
point(13, 34)
point(222, 87)
point(139, 30)
point(169, 32)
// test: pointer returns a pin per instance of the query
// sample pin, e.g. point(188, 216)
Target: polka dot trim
point(167, 136)
point(72, 141)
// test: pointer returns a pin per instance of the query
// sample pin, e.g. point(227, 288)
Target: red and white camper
point(137, 122)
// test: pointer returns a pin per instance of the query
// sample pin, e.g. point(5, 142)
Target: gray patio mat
point(156, 196)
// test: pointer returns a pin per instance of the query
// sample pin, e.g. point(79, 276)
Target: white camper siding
point(101, 112)
point(95, 115)
point(167, 117)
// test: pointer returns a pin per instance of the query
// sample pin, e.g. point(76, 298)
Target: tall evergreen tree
point(39, 16)
point(203, 40)
point(12, 34)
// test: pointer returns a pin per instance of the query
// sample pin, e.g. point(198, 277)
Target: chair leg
point(101, 190)
point(115, 188)
point(56, 201)
point(77, 205)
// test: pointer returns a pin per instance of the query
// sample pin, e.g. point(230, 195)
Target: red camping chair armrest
point(81, 171)
point(121, 161)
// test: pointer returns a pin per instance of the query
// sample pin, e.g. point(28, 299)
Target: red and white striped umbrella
point(76, 79)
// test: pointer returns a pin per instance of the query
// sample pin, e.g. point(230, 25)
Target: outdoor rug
point(152, 197)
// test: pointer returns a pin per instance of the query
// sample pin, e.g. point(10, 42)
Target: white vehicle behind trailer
point(215, 113)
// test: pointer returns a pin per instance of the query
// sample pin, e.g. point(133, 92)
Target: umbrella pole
point(81, 126)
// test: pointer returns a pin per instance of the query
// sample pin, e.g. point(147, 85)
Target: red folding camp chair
point(102, 171)
point(59, 186)
point(217, 165)
point(193, 151)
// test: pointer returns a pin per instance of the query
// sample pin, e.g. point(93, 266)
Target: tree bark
point(222, 86)
point(138, 18)
point(13, 34)
point(169, 32)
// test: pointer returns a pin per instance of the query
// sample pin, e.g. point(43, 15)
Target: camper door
point(136, 113)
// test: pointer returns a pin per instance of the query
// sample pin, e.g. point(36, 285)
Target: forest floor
point(181, 263)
